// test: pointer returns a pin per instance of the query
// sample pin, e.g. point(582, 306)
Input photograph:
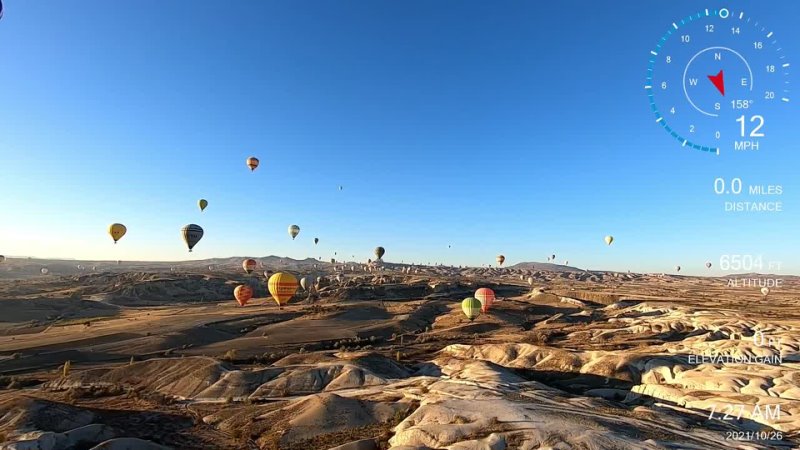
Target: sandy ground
point(160, 356)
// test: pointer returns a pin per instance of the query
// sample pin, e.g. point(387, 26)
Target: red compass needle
point(719, 82)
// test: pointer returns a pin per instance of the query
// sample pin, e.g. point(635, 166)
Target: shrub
point(230, 355)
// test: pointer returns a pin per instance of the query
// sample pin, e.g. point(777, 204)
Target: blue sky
point(513, 127)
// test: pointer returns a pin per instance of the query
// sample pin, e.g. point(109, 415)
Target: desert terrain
point(143, 355)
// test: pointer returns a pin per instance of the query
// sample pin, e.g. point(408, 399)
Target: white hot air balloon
point(764, 291)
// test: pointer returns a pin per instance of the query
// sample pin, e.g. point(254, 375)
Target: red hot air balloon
point(486, 297)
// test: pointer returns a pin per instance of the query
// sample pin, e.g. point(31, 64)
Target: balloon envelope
point(471, 307)
point(249, 265)
point(500, 259)
point(252, 163)
point(45, 270)
point(191, 235)
point(294, 230)
point(282, 286)
point(379, 252)
point(764, 291)
point(708, 264)
point(609, 240)
point(677, 268)
point(316, 241)
point(202, 203)
point(486, 297)
point(117, 230)
point(243, 294)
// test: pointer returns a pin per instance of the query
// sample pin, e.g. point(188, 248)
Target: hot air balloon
point(117, 230)
point(1, 9)
point(486, 297)
point(294, 230)
point(471, 307)
point(341, 187)
point(45, 270)
point(202, 203)
point(191, 235)
point(708, 265)
point(306, 283)
point(553, 257)
point(243, 293)
point(609, 240)
point(282, 286)
point(530, 281)
point(210, 268)
point(249, 265)
point(677, 268)
point(252, 163)
point(267, 274)
point(500, 259)
point(764, 291)
point(379, 252)
point(333, 260)
point(316, 241)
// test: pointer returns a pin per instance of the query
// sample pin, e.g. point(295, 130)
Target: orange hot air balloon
point(252, 163)
point(500, 260)
point(243, 293)
point(486, 296)
point(249, 265)
point(282, 286)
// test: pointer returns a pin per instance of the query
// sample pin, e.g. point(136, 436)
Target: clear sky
point(513, 127)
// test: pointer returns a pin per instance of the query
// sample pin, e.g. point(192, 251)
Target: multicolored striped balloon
point(249, 265)
point(282, 286)
point(191, 235)
point(242, 294)
point(252, 163)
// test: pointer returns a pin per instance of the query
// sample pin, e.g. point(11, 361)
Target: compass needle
point(718, 81)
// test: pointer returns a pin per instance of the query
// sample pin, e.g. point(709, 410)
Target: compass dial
point(714, 80)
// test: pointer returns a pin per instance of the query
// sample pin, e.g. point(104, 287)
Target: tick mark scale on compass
point(719, 82)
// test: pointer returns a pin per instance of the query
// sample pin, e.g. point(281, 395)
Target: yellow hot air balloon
point(282, 286)
point(252, 163)
point(202, 203)
point(294, 230)
point(471, 307)
point(117, 230)
point(249, 265)
point(609, 240)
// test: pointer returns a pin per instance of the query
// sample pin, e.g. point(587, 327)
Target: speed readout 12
point(713, 79)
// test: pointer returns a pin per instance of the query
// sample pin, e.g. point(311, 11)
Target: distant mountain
point(545, 267)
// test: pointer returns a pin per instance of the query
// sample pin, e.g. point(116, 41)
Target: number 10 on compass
point(715, 80)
